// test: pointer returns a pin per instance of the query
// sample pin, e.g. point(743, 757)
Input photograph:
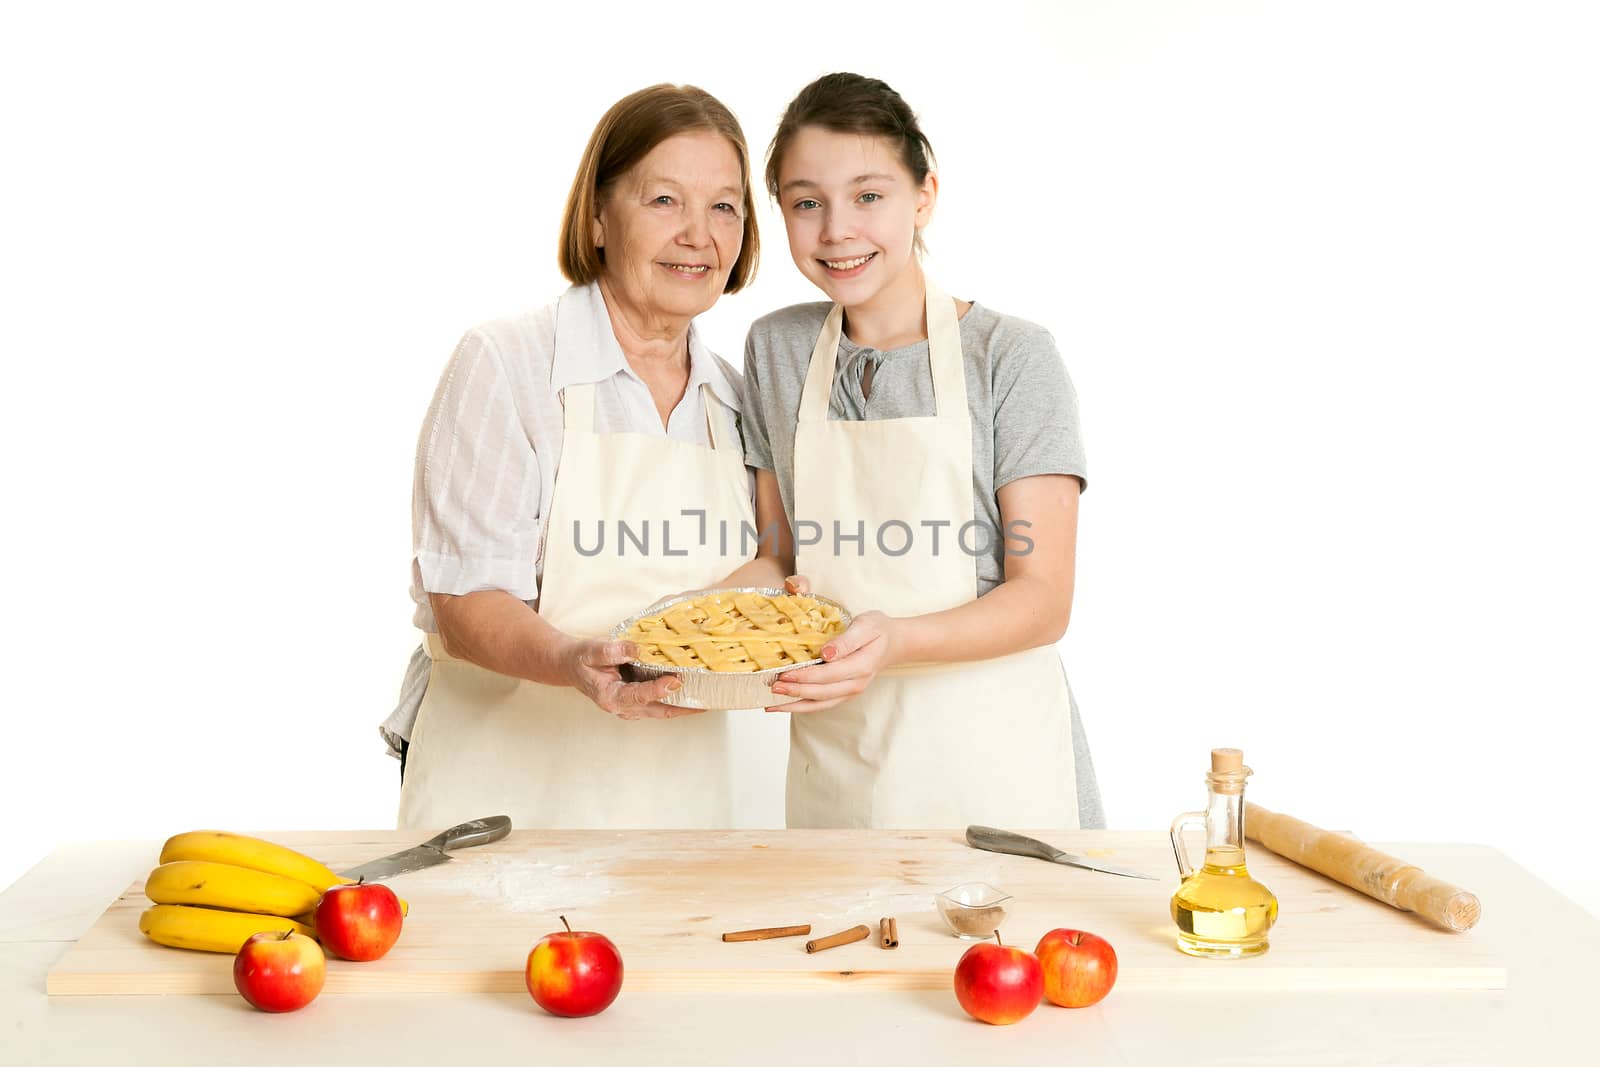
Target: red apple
point(1079, 968)
point(279, 970)
point(574, 973)
point(360, 921)
point(997, 983)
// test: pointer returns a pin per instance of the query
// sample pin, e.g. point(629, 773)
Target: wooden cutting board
point(666, 897)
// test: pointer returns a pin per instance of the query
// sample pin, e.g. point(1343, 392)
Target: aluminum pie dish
point(717, 690)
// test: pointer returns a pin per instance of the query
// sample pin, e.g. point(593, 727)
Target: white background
point(1325, 277)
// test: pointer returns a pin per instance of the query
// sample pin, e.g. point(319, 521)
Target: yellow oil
point(1221, 911)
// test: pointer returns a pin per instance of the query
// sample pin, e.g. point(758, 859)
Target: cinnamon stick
point(766, 932)
point(843, 937)
point(888, 933)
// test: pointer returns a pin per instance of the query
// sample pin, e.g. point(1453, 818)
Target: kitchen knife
point(991, 840)
point(434, 850)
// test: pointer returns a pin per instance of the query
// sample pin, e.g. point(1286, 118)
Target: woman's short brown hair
point(625, 135)
point(851, 103)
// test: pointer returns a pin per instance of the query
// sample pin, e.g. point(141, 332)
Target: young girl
point(917, 456)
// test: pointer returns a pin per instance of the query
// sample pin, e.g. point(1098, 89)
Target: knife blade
point(991, 840)
point(433, 851)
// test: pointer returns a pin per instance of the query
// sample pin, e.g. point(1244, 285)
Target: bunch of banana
point(213, 890)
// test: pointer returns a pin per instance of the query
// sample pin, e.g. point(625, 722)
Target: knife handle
point(476, 832)
point(991, 840)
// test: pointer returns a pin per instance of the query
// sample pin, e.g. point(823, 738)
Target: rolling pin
point(1380, 876)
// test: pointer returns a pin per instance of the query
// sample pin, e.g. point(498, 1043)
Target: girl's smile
point(847, 268)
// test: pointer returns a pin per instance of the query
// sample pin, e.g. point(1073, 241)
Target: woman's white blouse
point(491, 443)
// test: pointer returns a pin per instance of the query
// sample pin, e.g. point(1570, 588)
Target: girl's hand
point(591, 669)
point(854, 658)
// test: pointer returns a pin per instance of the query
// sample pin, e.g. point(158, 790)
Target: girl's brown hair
point(851, 103)
point(626, 134)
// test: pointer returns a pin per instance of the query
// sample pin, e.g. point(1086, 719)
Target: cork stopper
point(1228, 771)
point(1227, 759)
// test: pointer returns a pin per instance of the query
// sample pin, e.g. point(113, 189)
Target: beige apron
point(928, 746)
point(485, 743)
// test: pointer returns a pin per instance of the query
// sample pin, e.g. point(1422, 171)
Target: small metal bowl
point(717, 690)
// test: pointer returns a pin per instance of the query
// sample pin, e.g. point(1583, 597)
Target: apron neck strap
point(577, 402)
point(944, 359)
point(715, 432)
point(944, 354)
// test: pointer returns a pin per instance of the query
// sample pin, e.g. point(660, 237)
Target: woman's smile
point(687, 271)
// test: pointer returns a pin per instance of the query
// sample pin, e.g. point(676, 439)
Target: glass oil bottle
point(1221, 912)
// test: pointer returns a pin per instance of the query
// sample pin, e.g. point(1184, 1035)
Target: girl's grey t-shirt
point(1023, 409)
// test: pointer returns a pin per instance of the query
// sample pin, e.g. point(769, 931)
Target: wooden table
point(1543, 941)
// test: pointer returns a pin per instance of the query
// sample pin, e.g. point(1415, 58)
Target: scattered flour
point(521, 884)
point(580, 879)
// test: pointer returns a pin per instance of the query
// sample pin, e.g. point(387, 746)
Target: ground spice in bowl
point(974, 910)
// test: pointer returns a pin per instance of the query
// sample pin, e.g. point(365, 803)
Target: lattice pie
point(736, 632)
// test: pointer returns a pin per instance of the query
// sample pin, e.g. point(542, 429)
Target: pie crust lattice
point(736, 632)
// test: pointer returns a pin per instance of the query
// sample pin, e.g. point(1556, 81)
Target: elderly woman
point(549, 431)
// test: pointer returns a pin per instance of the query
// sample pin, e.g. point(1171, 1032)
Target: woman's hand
point(854, 658)
point(591, 668)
